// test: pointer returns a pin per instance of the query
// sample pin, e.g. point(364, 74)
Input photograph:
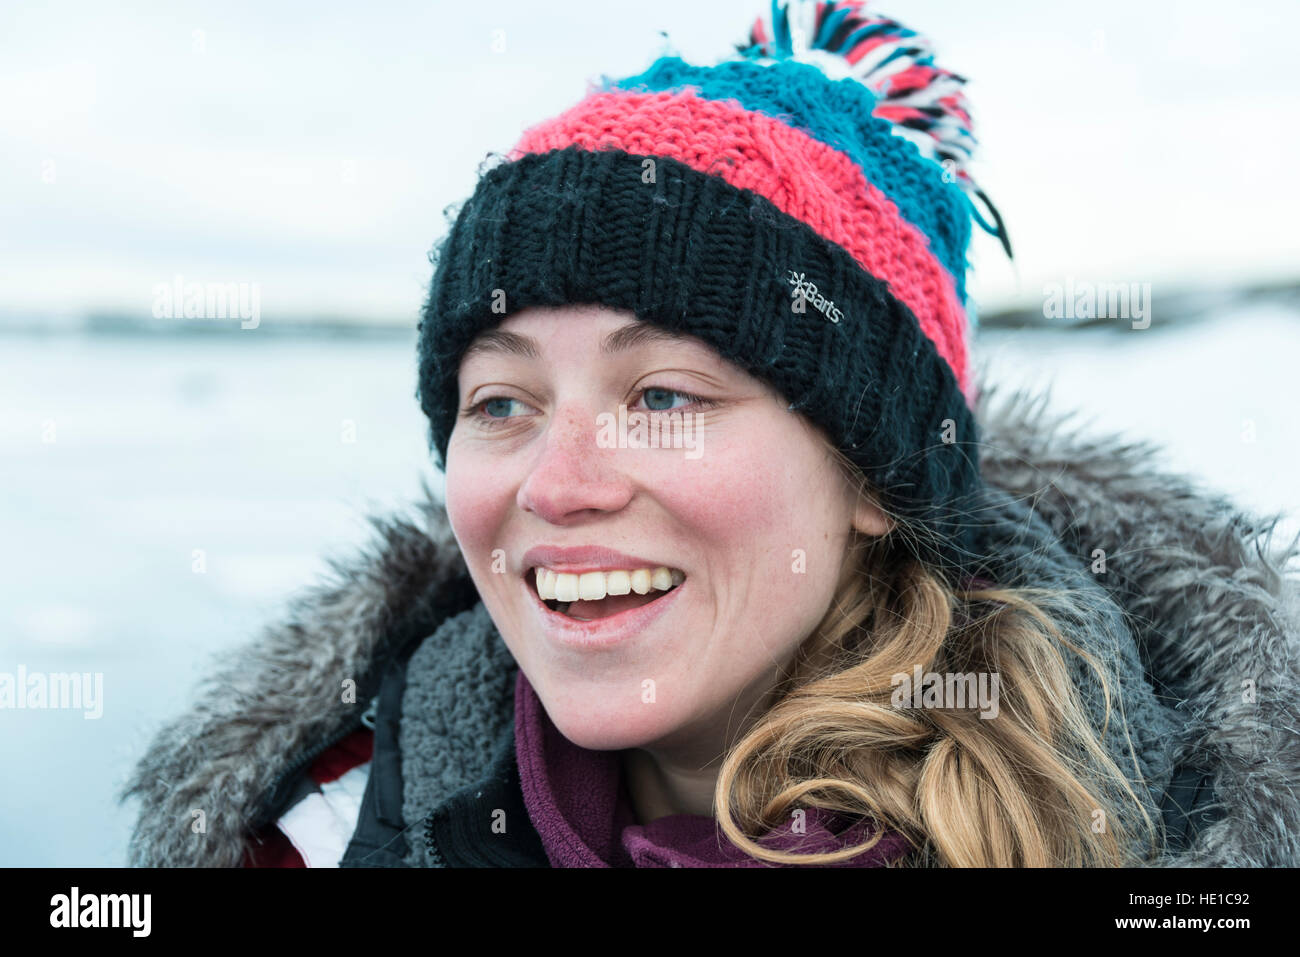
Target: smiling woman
point(728, 522)
point(876, 621)
point(772, 543)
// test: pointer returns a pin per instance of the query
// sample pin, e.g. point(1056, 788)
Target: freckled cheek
point(732, 504)
point(477, 503)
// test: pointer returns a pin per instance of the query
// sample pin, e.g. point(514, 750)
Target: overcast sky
point(312, 147)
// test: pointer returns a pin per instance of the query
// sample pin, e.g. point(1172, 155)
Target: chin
point(598, 725)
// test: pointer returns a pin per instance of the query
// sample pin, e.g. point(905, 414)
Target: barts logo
point(805, 291)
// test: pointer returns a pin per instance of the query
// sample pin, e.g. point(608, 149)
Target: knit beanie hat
point(803, 206)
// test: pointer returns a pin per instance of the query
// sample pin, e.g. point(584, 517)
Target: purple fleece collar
point(579, 804)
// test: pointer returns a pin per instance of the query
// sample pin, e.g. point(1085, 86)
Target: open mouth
point(592, 609)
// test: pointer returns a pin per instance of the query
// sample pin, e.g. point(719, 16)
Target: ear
point(870, 520)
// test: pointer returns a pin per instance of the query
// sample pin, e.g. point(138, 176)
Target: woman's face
point(741, 498)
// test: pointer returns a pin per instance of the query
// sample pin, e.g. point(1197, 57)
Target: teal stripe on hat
point(837, 113)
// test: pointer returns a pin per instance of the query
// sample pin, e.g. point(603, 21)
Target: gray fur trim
point(1211, 600)
point(1202, 594)
point(268, 700)
point(1142, 724)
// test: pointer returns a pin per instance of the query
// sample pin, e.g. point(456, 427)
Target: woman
point(833, 608)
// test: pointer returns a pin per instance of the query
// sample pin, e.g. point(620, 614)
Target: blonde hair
point(1022, 790)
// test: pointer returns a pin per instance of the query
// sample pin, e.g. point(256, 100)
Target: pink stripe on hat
point(801, 176)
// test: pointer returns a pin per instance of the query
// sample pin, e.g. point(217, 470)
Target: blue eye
point(498, 400)
point(499, 403)
point(479, 410)
point(666, 392)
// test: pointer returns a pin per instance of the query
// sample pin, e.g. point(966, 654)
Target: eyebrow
point(499, 341)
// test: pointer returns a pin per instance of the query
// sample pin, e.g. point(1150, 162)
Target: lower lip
point(601, 632)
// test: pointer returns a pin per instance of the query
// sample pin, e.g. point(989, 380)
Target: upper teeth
point(593, 586)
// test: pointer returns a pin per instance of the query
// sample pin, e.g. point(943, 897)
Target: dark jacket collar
point(1201, 608)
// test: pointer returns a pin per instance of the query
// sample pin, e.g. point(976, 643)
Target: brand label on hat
point(805, 291)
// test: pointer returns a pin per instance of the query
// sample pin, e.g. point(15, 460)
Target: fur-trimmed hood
point(1205, 640)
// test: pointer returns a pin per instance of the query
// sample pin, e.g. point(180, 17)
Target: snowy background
point(312, 149)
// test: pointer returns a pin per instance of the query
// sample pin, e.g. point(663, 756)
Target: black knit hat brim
point(693, 254)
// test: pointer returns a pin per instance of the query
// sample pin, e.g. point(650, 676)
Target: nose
point(572, 477)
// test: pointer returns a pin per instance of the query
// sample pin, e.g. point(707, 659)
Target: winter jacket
point(378, 719)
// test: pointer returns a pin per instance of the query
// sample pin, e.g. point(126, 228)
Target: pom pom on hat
point(925, 103)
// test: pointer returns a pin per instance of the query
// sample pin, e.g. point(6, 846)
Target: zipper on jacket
point(368, 716)
point(435, 856)
point(322, 745)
